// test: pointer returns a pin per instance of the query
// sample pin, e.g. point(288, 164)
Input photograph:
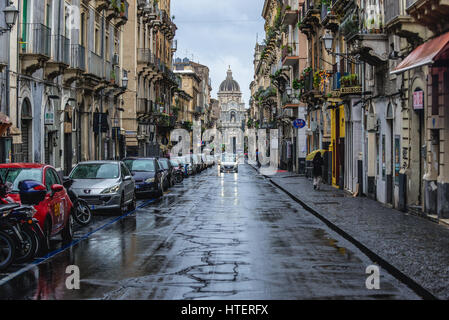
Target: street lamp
point(328, 40)
point(125, 79)
point(10, 13)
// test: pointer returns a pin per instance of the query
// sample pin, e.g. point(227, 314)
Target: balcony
point(124, 13)
point(34, 47)
point(308, 91)
point(142, 106)
point(340, 6)
point(371, 48)
point(399, 23)
point(3, 53)
point(329, 19)
point(310, 16)
point(290, 101)
point(60, 57)
point(291, 10)
point(290, 54)
point(113, 10)
point(77, 64)
point(432, 14)
point(101, 5)
point(96, 65)
point(350, 85)
point(145, 62)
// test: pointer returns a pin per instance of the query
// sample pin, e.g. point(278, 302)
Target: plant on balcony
point(114, 5)
point(122, 9)
point(298, 84)
point(350, 80)
point(288, 8)
point(249, 123)
point(256, 124)
point(316, 79)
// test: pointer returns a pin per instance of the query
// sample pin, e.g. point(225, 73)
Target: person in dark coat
point(317, 170)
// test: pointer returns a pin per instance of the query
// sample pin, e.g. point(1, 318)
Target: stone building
point(232, 114)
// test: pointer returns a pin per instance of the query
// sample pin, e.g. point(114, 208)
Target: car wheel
point(67, 232)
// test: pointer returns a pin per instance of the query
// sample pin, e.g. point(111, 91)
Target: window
point(97, 41)
point(107, 47)
point(140, 165)
point(48, 11)
point(49, 179)
point(95, 171)
point(14, 175)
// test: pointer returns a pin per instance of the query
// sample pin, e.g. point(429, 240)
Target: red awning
point(425, 54)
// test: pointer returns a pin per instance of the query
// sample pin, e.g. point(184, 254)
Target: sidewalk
point(415, 246)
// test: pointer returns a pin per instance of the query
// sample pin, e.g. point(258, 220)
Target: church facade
point(232, 114)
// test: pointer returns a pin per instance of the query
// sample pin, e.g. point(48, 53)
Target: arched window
point(233, 119)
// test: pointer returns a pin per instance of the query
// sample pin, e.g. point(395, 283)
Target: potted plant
point(316, 80)
point(122, 9)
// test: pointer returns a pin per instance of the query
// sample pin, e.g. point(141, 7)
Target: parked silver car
point(104, 185)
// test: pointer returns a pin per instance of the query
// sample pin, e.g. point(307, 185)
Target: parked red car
point(53, 213)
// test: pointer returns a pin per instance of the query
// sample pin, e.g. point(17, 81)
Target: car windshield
point(228, 158)
point(164, 164)
point(15, 175)
point(141, 165)
point(95, 171)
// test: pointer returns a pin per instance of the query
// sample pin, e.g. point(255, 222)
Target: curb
point(399, 275)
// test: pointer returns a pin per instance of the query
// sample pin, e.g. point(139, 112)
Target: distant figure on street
point(317, 170)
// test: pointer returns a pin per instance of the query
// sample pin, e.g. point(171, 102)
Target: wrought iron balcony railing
point(290, 50)
point(60, 49)
point(35, 39)
point(96, 65)
point(145, 56)
point(78, 57)
point(142, 106)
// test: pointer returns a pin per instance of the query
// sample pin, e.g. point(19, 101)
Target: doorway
point(27, 131)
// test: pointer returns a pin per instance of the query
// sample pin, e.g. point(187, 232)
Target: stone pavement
point(415, 246)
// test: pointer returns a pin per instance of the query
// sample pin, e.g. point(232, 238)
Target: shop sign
point(418, 100)
point(49, 117)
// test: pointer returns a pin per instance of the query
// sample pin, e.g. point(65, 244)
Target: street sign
point(299, 123)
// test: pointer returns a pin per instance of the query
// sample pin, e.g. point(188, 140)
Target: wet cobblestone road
point(215, 236)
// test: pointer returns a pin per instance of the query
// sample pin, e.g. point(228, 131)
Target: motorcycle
point(179, 174)
point(80, 209)
point(21, 237)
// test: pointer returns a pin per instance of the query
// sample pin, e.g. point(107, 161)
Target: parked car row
point(37, 205)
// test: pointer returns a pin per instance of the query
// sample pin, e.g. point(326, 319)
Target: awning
point(5, 123)
point(425, 54)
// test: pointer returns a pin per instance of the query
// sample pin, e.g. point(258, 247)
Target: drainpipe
point(360, 161)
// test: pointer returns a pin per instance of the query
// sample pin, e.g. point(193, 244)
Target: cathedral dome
point(229, 85)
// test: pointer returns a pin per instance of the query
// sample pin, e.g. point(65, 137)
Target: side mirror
point(57, 188)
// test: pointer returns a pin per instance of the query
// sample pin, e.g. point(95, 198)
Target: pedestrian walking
point(317, 170)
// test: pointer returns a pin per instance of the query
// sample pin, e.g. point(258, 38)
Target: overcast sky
point(218, 34)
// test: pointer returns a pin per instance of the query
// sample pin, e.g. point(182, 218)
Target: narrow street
point(214, 236)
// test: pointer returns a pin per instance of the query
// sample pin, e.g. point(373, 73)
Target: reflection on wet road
point(228, 236)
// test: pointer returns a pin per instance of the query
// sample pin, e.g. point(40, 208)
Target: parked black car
point(170, 170)
point(148, 175)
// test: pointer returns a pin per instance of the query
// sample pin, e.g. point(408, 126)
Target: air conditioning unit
point(115, 59)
